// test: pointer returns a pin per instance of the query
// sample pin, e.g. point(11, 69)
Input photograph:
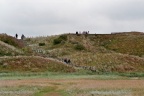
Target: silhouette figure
point(16, 35)
point(22, 37)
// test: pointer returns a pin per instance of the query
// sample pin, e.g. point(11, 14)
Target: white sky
point(49, 17)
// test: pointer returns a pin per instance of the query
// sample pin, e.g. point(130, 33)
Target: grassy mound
point(11, 41)
point(108, 62)
point(32, 64)
point(9, 50)
point(105, 52)
point(127, 44)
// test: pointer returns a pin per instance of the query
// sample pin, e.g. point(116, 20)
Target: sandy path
point(77, 83)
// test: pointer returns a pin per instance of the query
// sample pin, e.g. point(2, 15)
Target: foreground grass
point(69, 88)
point(49, 91)
point(107, 92)
point(19, 90)
point(54, 91)
point(75, 75)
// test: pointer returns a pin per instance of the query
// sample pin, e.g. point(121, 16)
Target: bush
point(79, 47)
point(41, 44)
point(57, 41)
point(60, 39)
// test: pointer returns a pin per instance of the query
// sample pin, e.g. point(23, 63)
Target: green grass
point(76, 75)
point(136, 74)
point(43, 91)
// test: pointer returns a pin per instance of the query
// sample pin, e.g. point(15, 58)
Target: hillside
point(132, 44)
point(16, 56)
point(32, 64)
point(98, 52)
point(9, 50)
point(10, 46)
point(11, 41)
point(120, 52)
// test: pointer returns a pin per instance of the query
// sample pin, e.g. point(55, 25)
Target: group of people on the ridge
point(84, 32)
point(22, 36)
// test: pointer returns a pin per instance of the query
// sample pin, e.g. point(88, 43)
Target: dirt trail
point(77, 83)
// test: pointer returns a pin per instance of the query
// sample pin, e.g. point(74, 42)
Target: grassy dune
point(9, 50)
point(11, 40)
point(106, 52)
point(110, 62)
point(10, 46)
point(130, 45)
point(32, 64)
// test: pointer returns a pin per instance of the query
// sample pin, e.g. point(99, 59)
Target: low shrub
point(41, 44)
point(79, 47)
point(60, 39)
point(57, 41)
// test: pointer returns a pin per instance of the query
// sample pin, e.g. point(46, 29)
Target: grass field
point(69, 84)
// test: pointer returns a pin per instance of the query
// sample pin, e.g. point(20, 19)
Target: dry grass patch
point(33, 64)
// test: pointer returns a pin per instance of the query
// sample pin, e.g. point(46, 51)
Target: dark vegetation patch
point(41, 44)
point(60, 39)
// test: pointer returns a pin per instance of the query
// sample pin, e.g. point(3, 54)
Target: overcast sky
point(49, 17)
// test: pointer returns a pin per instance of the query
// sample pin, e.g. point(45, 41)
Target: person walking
point(16, 36)
point(22, 37)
